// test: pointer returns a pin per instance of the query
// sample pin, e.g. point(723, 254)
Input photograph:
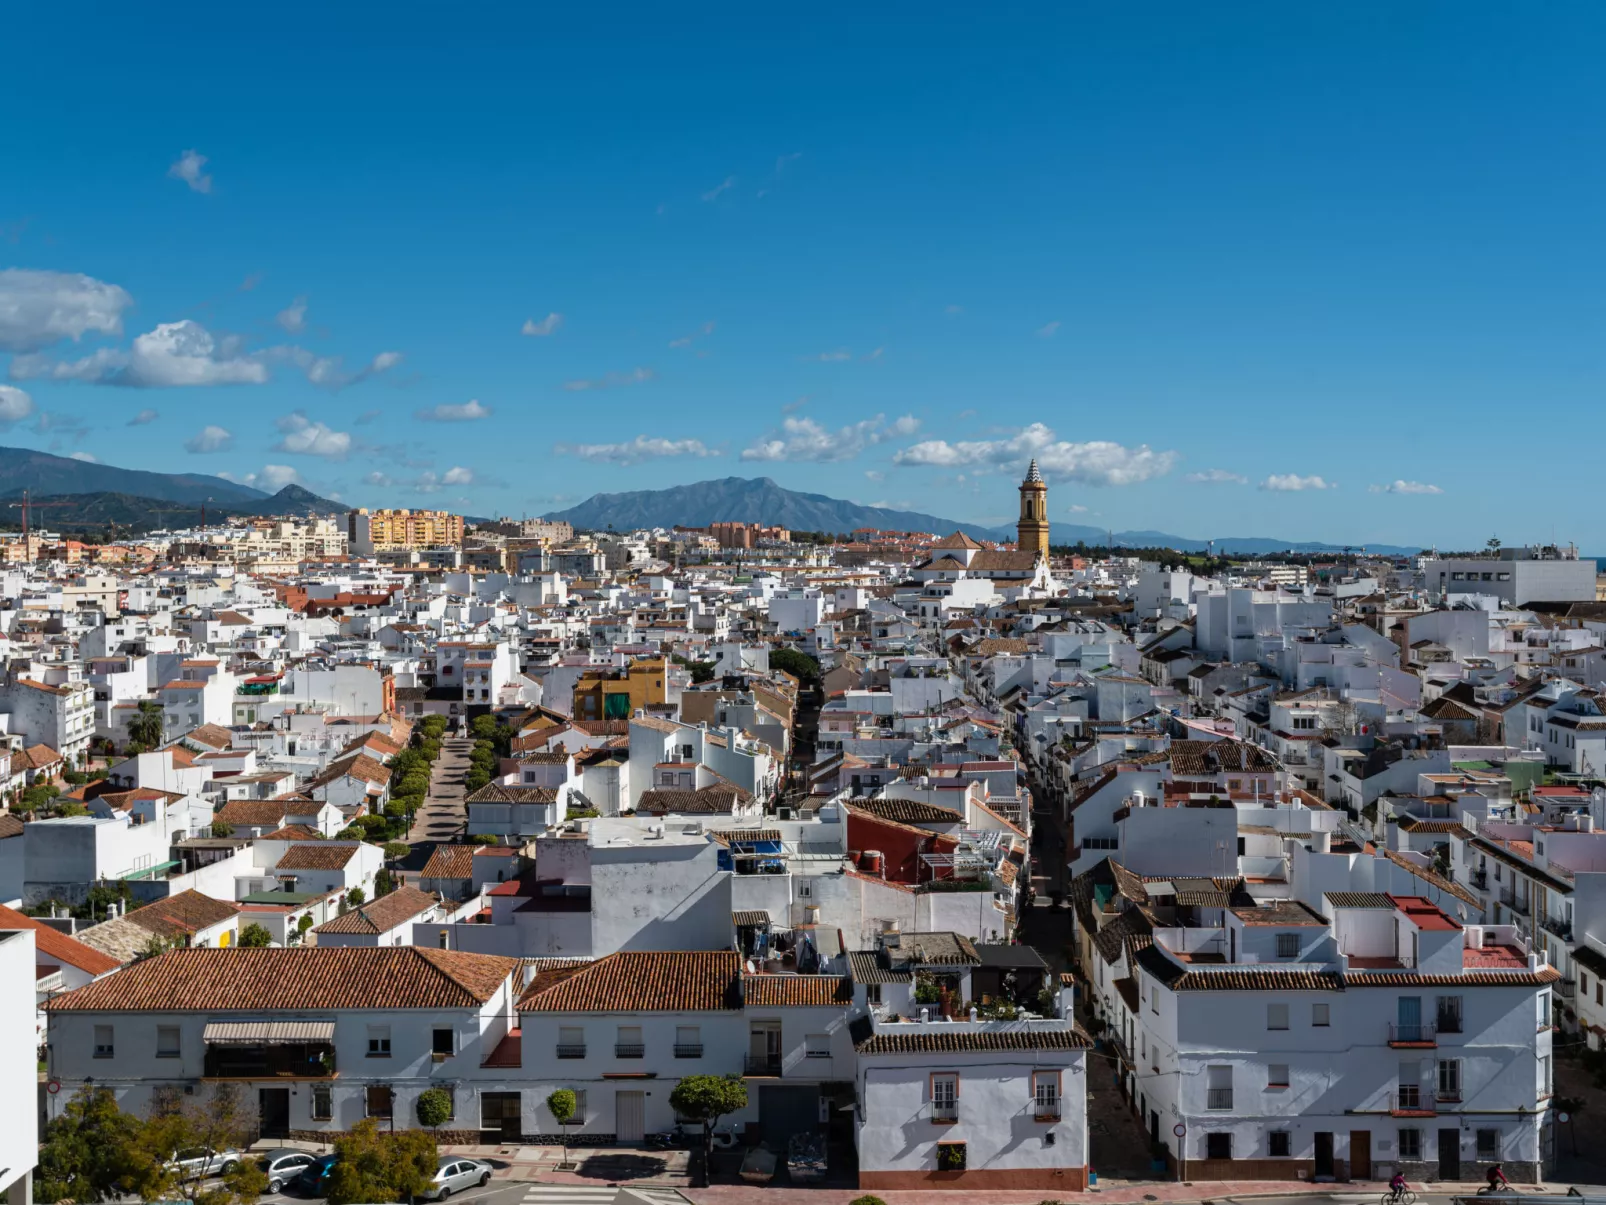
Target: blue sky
point(1308, 271)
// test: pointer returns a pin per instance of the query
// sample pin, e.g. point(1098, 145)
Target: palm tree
point(146, 727)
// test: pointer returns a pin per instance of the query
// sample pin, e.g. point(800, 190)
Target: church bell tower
point(1031, 533)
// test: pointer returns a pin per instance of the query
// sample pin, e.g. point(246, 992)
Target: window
point(1449, 1013)
point(379, 1043)
point(1277, 1075)
point(1288, 945)
point(1450, 1079)
point(944, 1096)
point(167, 1042)
point(1410, 1144)
point(951, 1156)
point(379, 1100)
point(322, 1103)
point(1320, 1016)
point(1046, 1094)
point(688, 1042)
point(1218, 1146)
point(1545, 1088)
point(629, 1044)
point(1544, 1010)
point(872, 993)
point(1276, 1016)
point(1218, 1086)
point(579, 1115)
point(817, 1046)
point(104, 1046)
point(441, 1043)
point(571, 1042)
point(1488, 1144)
point(1279, 1144)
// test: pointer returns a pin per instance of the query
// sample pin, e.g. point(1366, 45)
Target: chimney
point(1321, 841)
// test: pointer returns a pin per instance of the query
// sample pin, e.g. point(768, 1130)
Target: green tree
point(434, 1107)
point(146, 726)
point(254, 936)
point(87, 1150)
point(375, 1166)
point(384, 884)
point(705, 1099)
point(800, 665)
point(356, 897)
point(222, 1120)
point(222, 828)
point(71, 808)
point(562, 1103)
point(395, 851)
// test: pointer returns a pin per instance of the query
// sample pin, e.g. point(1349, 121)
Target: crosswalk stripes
point(586, 1194)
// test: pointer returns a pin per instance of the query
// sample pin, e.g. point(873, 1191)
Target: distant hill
point(761, 500)
point(107, 513)
point(42, 473)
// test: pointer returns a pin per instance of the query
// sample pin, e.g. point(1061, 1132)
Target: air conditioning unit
point(806, 814)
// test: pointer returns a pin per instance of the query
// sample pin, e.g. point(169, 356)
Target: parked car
point(456, 1174)
point(200, 1162)
point(314, 1178)
point(284, 1166)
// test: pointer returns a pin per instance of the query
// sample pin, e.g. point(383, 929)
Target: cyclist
point(1397, 1186)
point(1497, 1180)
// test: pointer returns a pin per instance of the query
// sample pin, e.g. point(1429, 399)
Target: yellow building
point(1031, 532)
point(615, 695)
point(389, 530)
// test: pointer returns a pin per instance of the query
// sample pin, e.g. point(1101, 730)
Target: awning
point(267, 1033)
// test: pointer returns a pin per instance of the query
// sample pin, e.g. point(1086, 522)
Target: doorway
point(1450, 1155)
point(273, 1107)
point(629, 1116)
point(1324, 1153)
point(500, 1115)
point(1360, 1154)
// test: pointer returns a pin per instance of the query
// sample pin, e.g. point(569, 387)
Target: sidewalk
point(1113, 1192)
point(594, 1165)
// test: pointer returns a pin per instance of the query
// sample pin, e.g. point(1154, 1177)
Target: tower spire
point(1031, 532)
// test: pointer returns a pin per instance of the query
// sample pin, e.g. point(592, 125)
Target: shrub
point(254, 936)
point(434, 1107)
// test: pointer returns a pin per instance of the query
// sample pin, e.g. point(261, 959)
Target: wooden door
point(1360, 1154)
point(630, 1116)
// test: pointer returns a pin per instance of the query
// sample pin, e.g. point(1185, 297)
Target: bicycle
point(1403, 1197)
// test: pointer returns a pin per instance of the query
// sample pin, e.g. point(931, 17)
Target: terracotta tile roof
point(34, 757)
point(645, 981)
point(805, 991)
point(868, 966)
point(318, 855)
point(361, 767)
point(253, 813)
point(496, 792)
point(739, 836)
point(449, 862)
point(182, 914)
point(374, 742)
point(213, 736)
point(908, 811)
point(10, 826)
point(306, 977)
point(58, 947)
point(933, 1039)
point(292, 832)
point(383, 914)
point(1259, 979)
point(1359, 899)
point(1432, 878)
point(509, 1051)
point(603, 727)
point(718, 799)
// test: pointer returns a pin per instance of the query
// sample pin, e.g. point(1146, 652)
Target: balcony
point(1413, 1035)
point(763, 1064)
point(290, 1061)
point(1567, 989)
point(1218, 1098)
point(1410, 1101)
point(1046, 1110)
point(1479, 879)
point(1557, 925)
point(1447, 1098)
point(945, 1113)
point(1517, 904)
point(571, 1051)
point(629, 1050)
point(688, 1050)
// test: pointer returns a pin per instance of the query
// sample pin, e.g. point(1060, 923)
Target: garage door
point(630, 1116)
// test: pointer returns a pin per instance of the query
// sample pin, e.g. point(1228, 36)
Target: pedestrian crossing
point(586, 1194)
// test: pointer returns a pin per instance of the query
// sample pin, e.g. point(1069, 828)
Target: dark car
point(284, 1166)
point(314, 1180)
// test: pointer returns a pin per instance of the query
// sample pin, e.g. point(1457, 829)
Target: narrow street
point(443, 816)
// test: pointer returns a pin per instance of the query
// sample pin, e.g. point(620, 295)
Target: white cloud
point(611, 380)
point(642, 447)
point(1096, 462)
point(713, 193)
point(458, 475)
point(1217, 477)
point(803, 439)
point(1294, 483)
point(1047, 330)
point(189, 168)
point(449, 412)
point(40, 308)
point(86, 457)
point(546, 326)
point(293, 318)
point(329, 372)
point(1076, 510)
point(703, 332)
point(15, 405)
point(376, 478)
point(97, 368)
point(303, 436)
point(1405, 487)
point(210, 439)
point(831, 357)
point(184, 353)
point(144, 418)
point(873, 355)
point(875, 475)
point(429, 482)
point(273, 477)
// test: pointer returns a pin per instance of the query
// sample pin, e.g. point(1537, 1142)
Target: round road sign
point(1179, 1129)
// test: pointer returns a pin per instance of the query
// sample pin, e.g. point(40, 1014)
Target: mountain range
point(761, 500)
point(69, 495)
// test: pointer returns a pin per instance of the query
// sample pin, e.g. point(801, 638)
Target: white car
point(455, 1174)
point(200, 1162)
